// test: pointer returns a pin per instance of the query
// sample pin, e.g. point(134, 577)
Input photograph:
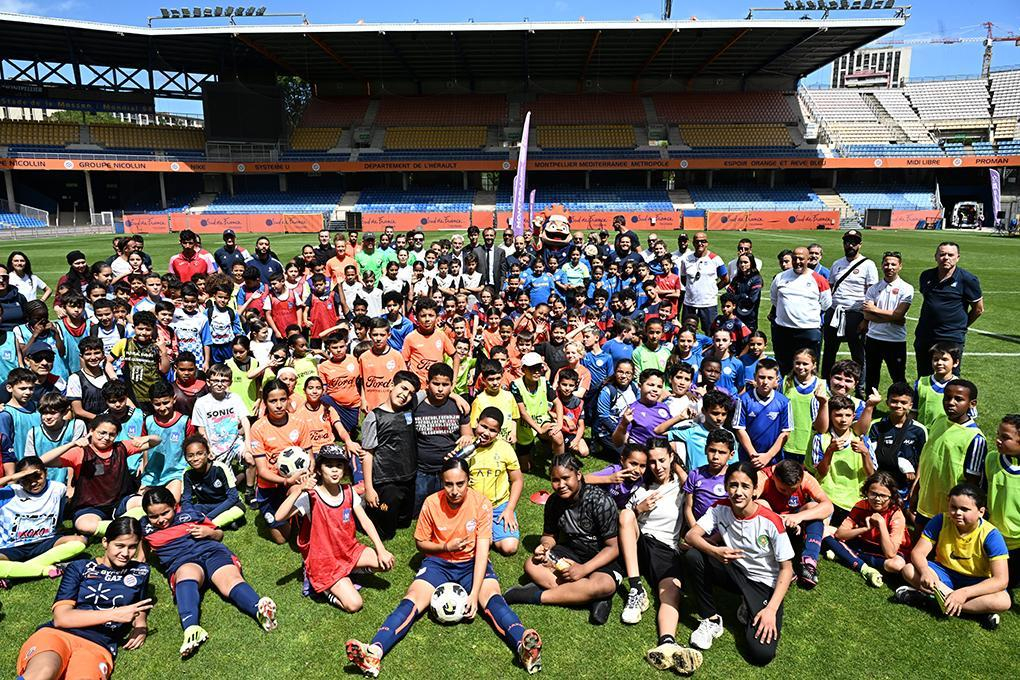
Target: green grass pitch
point(842, 629)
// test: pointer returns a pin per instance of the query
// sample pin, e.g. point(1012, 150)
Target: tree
point(295, 94)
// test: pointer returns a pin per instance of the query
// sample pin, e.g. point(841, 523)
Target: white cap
point(532, 359)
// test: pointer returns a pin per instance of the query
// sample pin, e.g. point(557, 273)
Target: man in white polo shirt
point(703, 274)
point(885, 311)
point(799, 296)
point(849, 279)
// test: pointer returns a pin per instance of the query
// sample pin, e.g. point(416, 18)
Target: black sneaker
point(808, 574)
point(599, 611)
point(989, 621)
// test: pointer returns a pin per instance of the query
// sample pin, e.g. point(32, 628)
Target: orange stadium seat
point(148, 137)
point(41, 134)
point(588, 108)
point(435, 138)
point(442, 110)
point(335, 112)
point(315, 138)
point(586, 136)
point(724, 107)
point(736, 135)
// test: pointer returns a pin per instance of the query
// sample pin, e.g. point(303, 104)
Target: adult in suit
point(492, 262)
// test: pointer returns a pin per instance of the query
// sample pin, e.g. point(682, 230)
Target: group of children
point(158, 429)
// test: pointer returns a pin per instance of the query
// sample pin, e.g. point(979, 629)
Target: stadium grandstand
point(677, 119)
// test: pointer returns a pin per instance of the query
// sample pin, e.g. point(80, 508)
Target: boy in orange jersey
point(378, 366)
point(425, 345)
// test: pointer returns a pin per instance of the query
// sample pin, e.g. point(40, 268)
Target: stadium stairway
point(681, 199)
point(203, 201)
point(650, 112)
point(883, 116)
point(370, 113)
point(832, 200)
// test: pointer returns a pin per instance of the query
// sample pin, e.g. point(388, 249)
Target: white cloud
point(18, 6)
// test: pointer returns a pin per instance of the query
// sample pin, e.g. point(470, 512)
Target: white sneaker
point(707, 632)
point(637, 604)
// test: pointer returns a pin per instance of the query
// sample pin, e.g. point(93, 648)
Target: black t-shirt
point(437, 429)
point(391, 439)
point(582, 524)
point(555, 357)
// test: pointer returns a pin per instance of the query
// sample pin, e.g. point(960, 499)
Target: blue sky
point(929, 19)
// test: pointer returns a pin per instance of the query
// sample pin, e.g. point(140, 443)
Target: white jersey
point(664, 522)
point(701, 277)
point(762, 538)
point(887, 297)
point(25, 518)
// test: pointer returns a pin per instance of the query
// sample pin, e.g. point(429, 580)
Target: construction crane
point(989, 40)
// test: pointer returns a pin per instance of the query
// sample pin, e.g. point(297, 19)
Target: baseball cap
point(229, 233)
point(38, 347)
point(532, 359)
point(853, 234)
point(368, 237)
point(331, 452)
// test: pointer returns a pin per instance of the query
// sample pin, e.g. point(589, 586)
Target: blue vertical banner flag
point(993, 175)
point(520, 181)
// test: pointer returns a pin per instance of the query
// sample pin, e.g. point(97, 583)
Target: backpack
point(210, 308)
point(121, 330)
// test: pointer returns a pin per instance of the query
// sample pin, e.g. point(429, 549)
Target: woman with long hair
point(745, 287)
point(19, 268)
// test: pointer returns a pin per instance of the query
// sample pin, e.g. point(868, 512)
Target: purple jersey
point(620, 492)
point(646, 419)
point(706, 490)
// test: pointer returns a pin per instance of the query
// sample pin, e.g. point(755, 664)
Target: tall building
point(872, 67)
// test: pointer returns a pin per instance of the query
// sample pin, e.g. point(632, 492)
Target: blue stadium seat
point(19, 221)
point(276, 202)
point(599, 199)
point(414, 201)
point(755, 198)
point(864, 196)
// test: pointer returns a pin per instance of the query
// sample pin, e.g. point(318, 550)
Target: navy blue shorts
point(269, 501)
point(436, 572)
point(28, 551)
point(212, 561)
point(105, 512)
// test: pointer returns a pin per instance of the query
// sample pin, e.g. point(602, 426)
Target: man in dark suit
point(492, 261)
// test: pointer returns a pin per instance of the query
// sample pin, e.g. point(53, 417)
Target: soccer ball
point(449, 602)
point(292, 460)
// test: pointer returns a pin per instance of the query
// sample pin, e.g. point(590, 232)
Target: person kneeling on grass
point(576, 561)
point(873, 538)
point(30, 515)
point(453, 531)
point(650, 529)
point(189, 553)
point(328, 536)
point(970, 571)
point(100, 605)
point(752, 559)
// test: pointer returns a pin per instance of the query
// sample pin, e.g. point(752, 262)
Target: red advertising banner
point(423, 221)
point(146, 224)
point(753, 219)
point(910, 219)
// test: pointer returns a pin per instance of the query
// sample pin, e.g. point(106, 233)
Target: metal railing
point(50, 232)
point(242, 151)
point(26, 210)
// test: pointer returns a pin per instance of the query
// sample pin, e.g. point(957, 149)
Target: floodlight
point(262, 10)
point(833, 4)
point(175, 13)
point(229, 11)
point(207, 12)
point(867, 4)
point(800, 5)
point(185, 12)
point(844, 4)
point(788, 4)
point(250, 12)
point(164, 12)
point(856, 5)
point(889, 4)
point(810, 4)
point(218, 11)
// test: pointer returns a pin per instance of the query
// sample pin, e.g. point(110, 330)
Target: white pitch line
point(969, 354)
point(988, 334)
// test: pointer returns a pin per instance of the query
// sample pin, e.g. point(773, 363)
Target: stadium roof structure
point(632, 55)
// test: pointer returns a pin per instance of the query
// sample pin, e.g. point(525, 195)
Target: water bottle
point(467, 451)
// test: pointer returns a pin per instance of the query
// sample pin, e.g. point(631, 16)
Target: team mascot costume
point(552, 232)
